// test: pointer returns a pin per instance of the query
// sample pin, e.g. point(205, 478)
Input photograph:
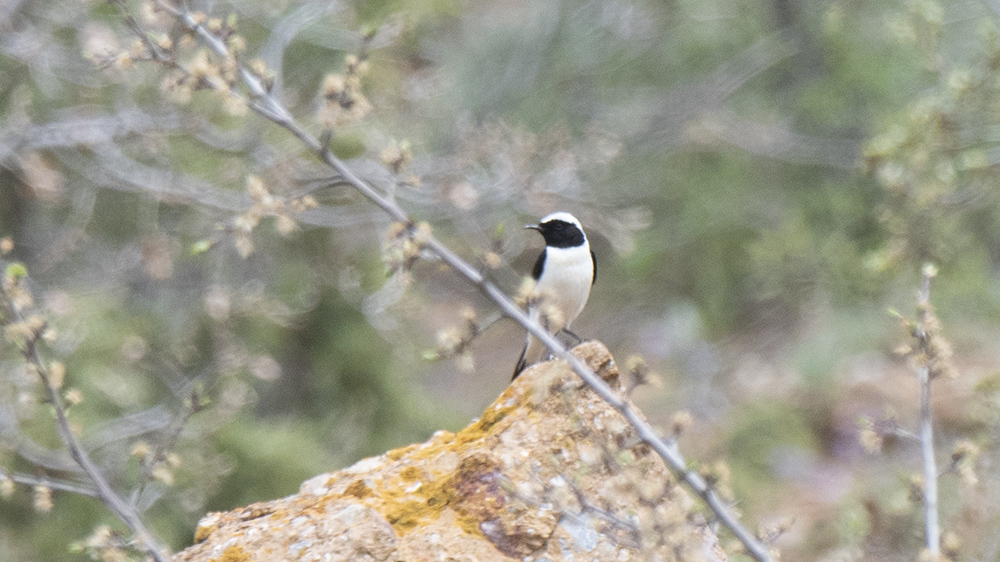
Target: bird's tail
point(521, 364)
point(531, 354)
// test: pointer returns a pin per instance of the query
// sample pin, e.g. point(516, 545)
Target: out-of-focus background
point(761, 181)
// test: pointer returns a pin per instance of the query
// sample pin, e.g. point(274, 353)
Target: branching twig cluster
point(28, 331)
point(929, 355)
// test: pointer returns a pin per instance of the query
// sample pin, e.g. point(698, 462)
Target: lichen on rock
point(549, 472)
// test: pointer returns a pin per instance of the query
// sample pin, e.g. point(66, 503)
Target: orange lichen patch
point(396, 454)
point(411, 473)
point(471, 434)
point(486, 425)
point(494, 414)
point(411, 497)
point(202, 533)
point(441, 441)
point(208, 525)
point(406, 505)
point(358, 489)
point(234, 554)
point(472, 491)
point(405, 515)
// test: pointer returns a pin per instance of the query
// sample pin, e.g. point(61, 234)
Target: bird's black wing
point(594, 258)
point(536, 273)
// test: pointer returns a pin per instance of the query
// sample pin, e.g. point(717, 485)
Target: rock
point(550, 472)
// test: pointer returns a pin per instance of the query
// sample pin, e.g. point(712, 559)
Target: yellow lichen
point(411, 497)
point(202, 533)
point(441, 443)
point(206, 527)
point(358, 489)
point(404, 516)
point(492, 416)
point(407, 510)
point(411, 473)
point(396, 454)
point(234, 554)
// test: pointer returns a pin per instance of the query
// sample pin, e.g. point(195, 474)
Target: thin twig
point(103, 490)
point(586, 506)
point(55, 484)
point(271, 108)
point(931, 521)
point(136, 26)
point(166, 443)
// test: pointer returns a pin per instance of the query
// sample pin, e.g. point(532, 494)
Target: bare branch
point(53, 483)
point(192, 405)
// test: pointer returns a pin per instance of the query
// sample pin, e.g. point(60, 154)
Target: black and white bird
point(564, 273)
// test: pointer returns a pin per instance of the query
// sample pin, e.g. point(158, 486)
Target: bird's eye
point(558, 226)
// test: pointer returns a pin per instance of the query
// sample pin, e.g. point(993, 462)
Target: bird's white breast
point(566, 280)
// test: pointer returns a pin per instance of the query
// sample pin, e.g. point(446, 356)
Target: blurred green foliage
point(766, 435)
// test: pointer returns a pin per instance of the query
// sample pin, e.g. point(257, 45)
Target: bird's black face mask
point(560, 234)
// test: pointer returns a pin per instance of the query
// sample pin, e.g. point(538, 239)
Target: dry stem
point(932, 528)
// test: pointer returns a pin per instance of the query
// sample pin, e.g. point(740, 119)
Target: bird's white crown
point(562, 216)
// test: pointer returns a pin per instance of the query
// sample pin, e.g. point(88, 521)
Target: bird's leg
point(568, 338)
point(577, 340)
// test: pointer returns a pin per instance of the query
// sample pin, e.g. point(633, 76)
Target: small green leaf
point(201, 246)
point(15, 270)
